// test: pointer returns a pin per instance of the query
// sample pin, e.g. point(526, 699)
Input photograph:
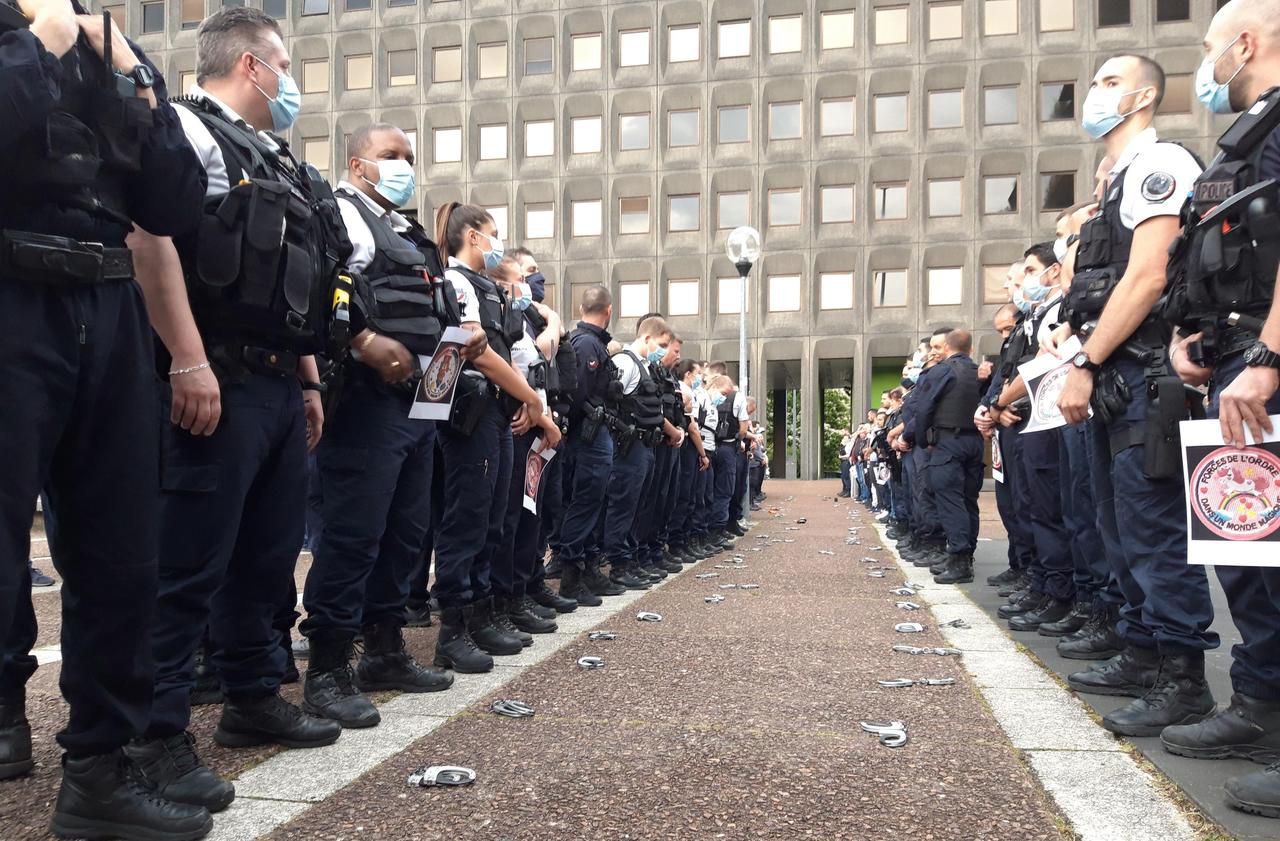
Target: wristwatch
point(139, 78)
point(1260, 356)
point(1082, 360)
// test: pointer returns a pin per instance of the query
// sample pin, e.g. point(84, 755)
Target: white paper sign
point(997, 458)
point(440, 372)
point(1233, 497)
point(535, 464)
point(1044, 377)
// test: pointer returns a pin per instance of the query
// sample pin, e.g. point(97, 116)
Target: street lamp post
point(743, 250)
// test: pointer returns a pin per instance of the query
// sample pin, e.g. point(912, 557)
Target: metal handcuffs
point(442, 775)
point(893, 734)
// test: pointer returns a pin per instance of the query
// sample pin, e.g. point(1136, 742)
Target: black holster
point(470, 401)
point(1111, 395)
point(1169, 403)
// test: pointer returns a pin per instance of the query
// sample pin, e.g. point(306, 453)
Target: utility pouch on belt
point(1170, 403)
point(1111, 395)
point(470, 401)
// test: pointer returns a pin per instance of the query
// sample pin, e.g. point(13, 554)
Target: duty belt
point(956, 430)
point(62, 261)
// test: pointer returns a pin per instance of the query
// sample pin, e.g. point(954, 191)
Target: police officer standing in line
point(1119, 275)
point(375, 462)
point(694, 464)
point(79, 395)
point(725, 459)
point(945, 425)
point(476, 446)
point(589, 453)
point(930, 543)
point(638, 427)
point(675, 409)
point(1051, 590)
point(657, 496)
point(1240, 73)
point(515, 554)
point(233, 498)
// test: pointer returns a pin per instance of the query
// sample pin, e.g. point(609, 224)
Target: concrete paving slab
point(998, 669)
point(1109, 798)
point(466, 690)
point(1047, 719)
point(249, 818)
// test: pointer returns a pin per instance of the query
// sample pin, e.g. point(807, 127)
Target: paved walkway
point(737, 720)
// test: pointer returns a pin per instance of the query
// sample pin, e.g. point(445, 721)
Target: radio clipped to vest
point(266, 267)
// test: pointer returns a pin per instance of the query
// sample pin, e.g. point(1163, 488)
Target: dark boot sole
point(1256, 754)
point(70, 826)
point(1023, 629)
point(1045, 631)
point(392, 686)
point(448, 663)
point(13, 770)
point(529, 629)
point(1119, 691)
point(1153, 729)
point(1105, 654)
point(964, 579)
point(1266, 810)
point(230, 739)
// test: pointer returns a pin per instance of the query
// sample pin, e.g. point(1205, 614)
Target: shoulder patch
point(1158, 186)
point(593, 364)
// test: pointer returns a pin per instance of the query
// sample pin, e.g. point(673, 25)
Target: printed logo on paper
point(442, 372)
point(1046, 405)
point(1235, 493)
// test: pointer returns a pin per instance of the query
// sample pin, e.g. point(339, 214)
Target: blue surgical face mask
point(657, 355)
point(913, 375)
point(1215, 95)
point(492, 257)
point(287, 102)
point(1102, 111)
point(521, 297)
point(1019, 301)
point(697, 383)
point(1060, 248)
point(538, 284)
point(395, 181)
point(716, 400)
point(1033, 290)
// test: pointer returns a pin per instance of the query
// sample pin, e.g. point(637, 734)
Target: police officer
point(945, 425)
point(1119, 273)
point(930, 543)
point(657, 497)
point(638, 426)
point(77, 387)
point(589, 453)
point(234, 496)
point(1240, 73)
point(376, 462)
point(693, 465)
point(477, 450)
point(1051, 591)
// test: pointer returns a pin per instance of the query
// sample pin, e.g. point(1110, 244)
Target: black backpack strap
point(242, 152)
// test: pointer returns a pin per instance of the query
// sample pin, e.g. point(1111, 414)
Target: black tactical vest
point(263, 267)
point(957, 404)
point(397, 292)
point(672, 404)
point(1101, 259)
point(562, 370)
point(642, 407)
point(1015, 349)
point(502, 324)
point(727, 429)
point(1226, 258)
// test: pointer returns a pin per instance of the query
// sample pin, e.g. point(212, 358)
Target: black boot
point(488, 636)
point(330, 691)
point(572, 586)
point(959, 570)
point(272, 719)
point(455, 649)
point(736, 530)
point(1005, 577)
point(502, 621)
point(648, 570)
point(1257, 793)
point(170, 768)
point(208, 686)
point(597, 582)
point(1021, 604)
point(100, 798)
point(1076, 619)
point(15, 736)
point(386, 665)
point(1131, 673)
point(1097, 640)
point(624, 577)
point(1180, 695)
point(547, 597)
point(418, 616)
point(940, 566)
point(934, 556)
point(1022, 582)
point(553, 569)
point(1248, 729)
point(669, 562)
point(921, 548)
point(527, 603)
point(1051, 611)
point(290, 665)
point(520, 612)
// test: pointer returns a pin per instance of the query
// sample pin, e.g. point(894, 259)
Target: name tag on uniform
point(493, 298)
point(1214, 192)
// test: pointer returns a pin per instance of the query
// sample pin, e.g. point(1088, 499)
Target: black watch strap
point(1261, 356)
point(320, 388)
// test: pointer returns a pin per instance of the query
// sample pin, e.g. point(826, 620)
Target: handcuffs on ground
point(441, 775)
point(511, 709)
point(893, 734)
point(901, 682)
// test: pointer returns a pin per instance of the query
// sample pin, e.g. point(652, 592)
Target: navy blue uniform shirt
point(591, 345)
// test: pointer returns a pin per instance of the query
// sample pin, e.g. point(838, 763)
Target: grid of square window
point(623, 141)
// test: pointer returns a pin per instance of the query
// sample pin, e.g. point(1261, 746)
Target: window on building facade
point(315, 75)
point(729, 295)
point(946, 197)
point(499, 215)
point(633, 299)
point(539, 138)
point(889, 288)
point(447, 145)
point(493, 142)
point(359, 72)
point(890, 201)
point(946, 109)
point(682, 128)
point(946, 287)
point(786, 34)
point(892, 25)
point(1177, 95)
point(492, 60)
point(1172, 10)
point(1000, 17)
point(836, 117)
point(539, 56)
point(446, 64)
point(587, 51)
point(1057, 16)
point(1057, 101)
point(682, 44)
point(891, 112)
point(152, 17)
point(945, 21)
point(402, 67)
point(837, 30)
point(1114, 13)
point(682, 296)
point(633, 48)
point(1000, 194)
point(633, 215)
point(1058, 190)
point(1000, 106)
point(633, 132)
point(192, 13)
point(315, 7)
point(683, 212)
point(835, 291)
point(784, 293)
point(734, 124)
point(785, 208)
point(734, 39)
point(993, 291)
point(587, 218)
point(539, 221)
point(733, 210)
point(586, 135)
point(786, 121)
point(837, 204)
point(317, 151)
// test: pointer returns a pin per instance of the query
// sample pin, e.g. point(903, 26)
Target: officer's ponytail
point(452, 221)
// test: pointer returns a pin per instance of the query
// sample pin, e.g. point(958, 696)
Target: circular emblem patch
point(1234, 493)
point(441, 373)
point(1051, 387)
point(1158, 186)
point(532, 474)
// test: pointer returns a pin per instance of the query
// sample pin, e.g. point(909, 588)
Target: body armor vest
point(727, 430)
point(1101, 259)
point(957, 404)
point(644, 405)
point(502, 325)
point(266, 265)
point(1015, 349)
point(562, 370)
point(672, 404)
point(397, 292)
point(1226, 257)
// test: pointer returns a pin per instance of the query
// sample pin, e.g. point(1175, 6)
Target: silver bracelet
point(177, 372)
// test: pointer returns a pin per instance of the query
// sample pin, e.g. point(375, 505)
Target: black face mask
point(537, 285)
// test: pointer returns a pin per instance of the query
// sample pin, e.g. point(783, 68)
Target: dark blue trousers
point(844, 475)
point(1253, 593)
point(1021, 551)
point(315, 505)
point(512, 565)
point(1041, 492)
point(631, 472)
point(930, 527)
point(1166, 598)
point(742, 466)
point(78, 418)
point(472, 466)
point(232, 512)
point(652, 502)
point(1080, 514)
point(376, 465)
point(671, 496)
point(682, 514)
point(955, 472)
point(586, 484)
point(726, 479)
point(550, 516)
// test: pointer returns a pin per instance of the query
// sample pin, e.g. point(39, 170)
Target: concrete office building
point(897, 155)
